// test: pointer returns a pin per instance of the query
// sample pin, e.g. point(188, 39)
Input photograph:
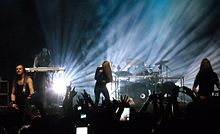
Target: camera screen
point(82, 116)
point(125, 114)
point(79, 108)
point(81, 130)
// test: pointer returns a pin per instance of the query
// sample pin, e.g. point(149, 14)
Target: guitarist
point(22, 91)
point(206, 79)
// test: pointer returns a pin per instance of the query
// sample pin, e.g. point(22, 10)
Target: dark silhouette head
point(205, 65)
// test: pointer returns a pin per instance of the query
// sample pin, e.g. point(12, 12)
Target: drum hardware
point(131, 82)
point(162, 62)
point(163, 68)
point(142, 96)
point(123, 73)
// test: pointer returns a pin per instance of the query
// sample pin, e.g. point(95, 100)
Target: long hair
point(43, 59)
point(107, 69)
point(16, 78)
point(44, 52)
point(203, 66)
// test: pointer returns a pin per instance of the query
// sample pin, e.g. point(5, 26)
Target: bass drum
point(139, 92)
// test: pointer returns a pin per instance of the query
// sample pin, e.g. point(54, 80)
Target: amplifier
point(4, 93)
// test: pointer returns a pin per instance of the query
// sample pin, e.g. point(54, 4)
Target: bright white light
point(112, 90)
point(81, 130)
point(59, 86)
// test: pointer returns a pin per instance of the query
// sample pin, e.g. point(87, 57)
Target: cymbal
point(133, 62)
point(123, 73)
point(162, 62)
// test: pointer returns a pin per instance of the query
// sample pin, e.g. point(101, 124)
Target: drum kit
point(137, 80)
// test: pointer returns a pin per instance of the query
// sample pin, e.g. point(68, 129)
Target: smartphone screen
point(81, 130)
point(79, 108)
point(82, 116)
point(125, 116)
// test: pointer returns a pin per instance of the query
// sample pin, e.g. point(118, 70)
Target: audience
point(107, 117)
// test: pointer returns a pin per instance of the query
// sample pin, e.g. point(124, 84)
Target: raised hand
point(124, 100)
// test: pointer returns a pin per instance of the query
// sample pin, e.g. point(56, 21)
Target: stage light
point(111, 89)
point(59, 86)
point(128, 33)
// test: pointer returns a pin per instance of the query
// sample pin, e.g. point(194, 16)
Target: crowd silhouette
point(166, 116)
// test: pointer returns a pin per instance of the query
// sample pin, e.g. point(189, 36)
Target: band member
point(206, 79)
point(41, 79)
point(103, 76)
point(43, 59)
point(22, 90)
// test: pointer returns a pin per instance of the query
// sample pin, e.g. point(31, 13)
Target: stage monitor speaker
point(4, 93)
point(4, 100)
point(4, 86)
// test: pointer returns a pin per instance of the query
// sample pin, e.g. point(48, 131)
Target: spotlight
point(59, 86)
